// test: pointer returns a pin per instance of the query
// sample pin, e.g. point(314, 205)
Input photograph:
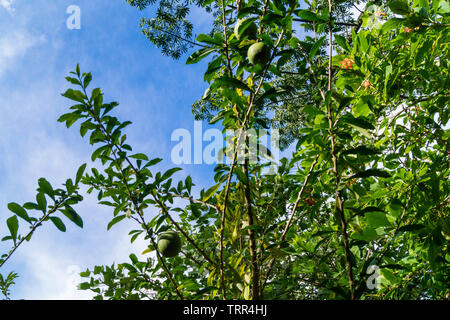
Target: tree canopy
point(360, 208)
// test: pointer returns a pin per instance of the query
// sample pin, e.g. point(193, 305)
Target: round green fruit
point(249, 32)
point(258, 53)
point(169, 244)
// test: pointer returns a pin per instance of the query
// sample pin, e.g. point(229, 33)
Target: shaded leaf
point(371, 173)
point(115, 220)
point(58, 223)
point(199, 55)
point(13, 226)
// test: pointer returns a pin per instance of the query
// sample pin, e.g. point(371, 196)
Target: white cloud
point(53, 262)
point(15, 45)
point(7, 4)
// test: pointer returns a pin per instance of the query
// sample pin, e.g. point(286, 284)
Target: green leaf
point(316, 46)
point(97, 98)
point(357, 122)
point(368, 234)
point(199, 55)
point(87, 80)
point(70, 118)
point(208, 39)
point(377, 219)
point(169, 173)
point(399, 7)
point(444, 7)
point(18, 210)
point(241, 176)
point(307, 15)
point(210, 192)
point(371, 173)
point(75, 95)
point(362, 150)
point(391, 24)
point(388, 72)
point(388, 277)
point(84, 286)
point(244, 26)
point(70, 187)
point(411, 228)
point(13, 226)
point(73, 80)
point(395, 207)
point(58, 223)
point(70, 213)
point(115, 220)
point(80, 173)
point(248, 10)
point(139, 156)
point(188, 183)
point(31, 206)
point(46, 187)
point(342, 42)
point(42, 202)
point(421, 53)
point(231, 82)
point(361, 109)
point(153, 162)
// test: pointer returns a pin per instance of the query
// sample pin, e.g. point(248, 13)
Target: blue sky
point(37, 51)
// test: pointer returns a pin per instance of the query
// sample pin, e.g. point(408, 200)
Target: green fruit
point(249, 32)
point(169, 244)
point(258, 53)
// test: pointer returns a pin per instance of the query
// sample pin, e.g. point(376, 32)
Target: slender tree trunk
point(251, 234)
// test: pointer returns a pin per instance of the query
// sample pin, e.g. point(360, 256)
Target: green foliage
point(379, 195)
point(6, 283)
point(367, 183)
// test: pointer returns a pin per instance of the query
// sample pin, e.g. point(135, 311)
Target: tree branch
point(35, 226)
point(340, 200)
point(288, 225)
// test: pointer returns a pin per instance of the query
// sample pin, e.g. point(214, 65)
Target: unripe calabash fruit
point(169, 244)
point(249, 32)
point(258, 54)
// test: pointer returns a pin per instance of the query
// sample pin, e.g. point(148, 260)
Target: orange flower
point(366, 83)
point(347, 63)
point(408, 29)
point(380, 13)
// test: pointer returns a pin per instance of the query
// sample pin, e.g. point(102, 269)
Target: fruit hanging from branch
point(169, 244)
point(250, 31)
point(258, 54)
